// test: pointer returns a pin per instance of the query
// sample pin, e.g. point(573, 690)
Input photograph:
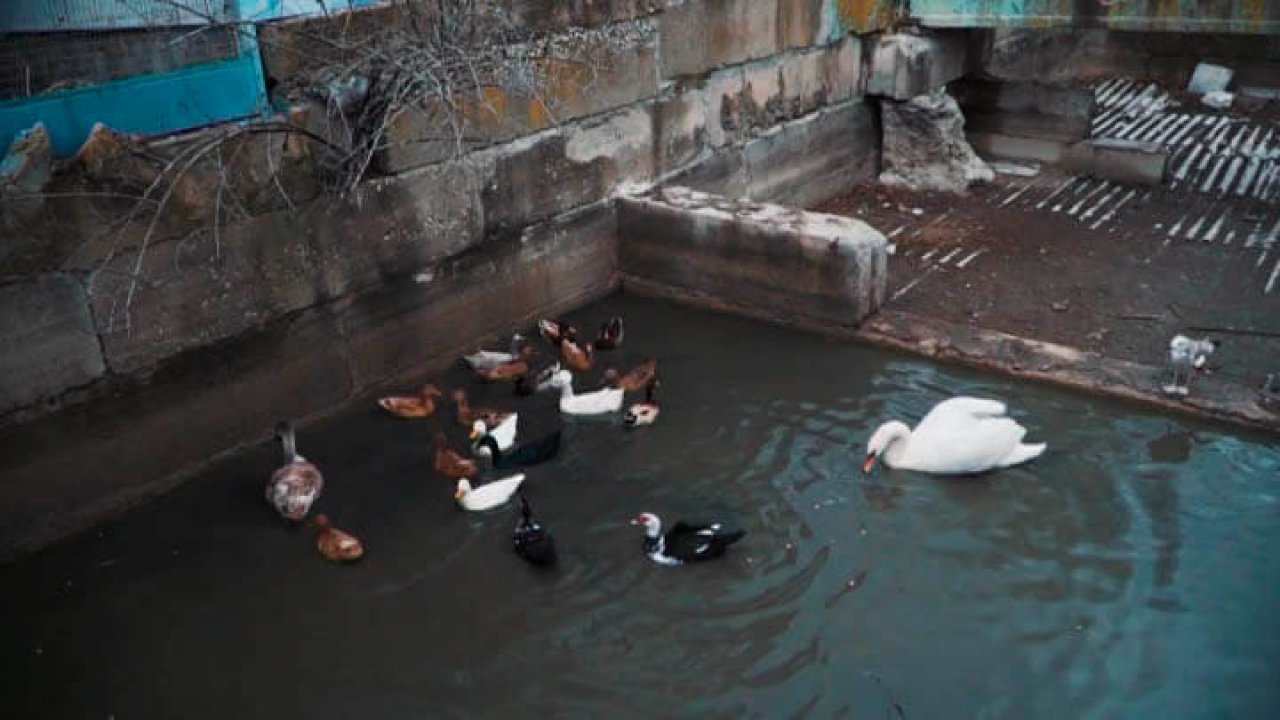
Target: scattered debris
point(1060, 306)
point(917, 211)
point(1219, 100)
point(1014, 169)
point(1209, 78)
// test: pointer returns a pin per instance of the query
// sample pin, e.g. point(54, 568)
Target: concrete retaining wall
point(764, 260)
point(294, 312)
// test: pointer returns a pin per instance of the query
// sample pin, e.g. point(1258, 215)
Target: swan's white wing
point(957, 408)
point(963, 435)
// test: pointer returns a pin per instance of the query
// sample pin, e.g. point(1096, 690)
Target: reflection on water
point(1130, 572)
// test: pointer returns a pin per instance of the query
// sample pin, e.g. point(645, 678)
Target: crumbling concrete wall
point(307, 303)
point(759, 259)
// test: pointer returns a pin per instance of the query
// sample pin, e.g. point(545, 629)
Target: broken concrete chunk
point(27, 168)
point(1209, 78)
point(905, 65)
point(1218, 99)
point(925, 146)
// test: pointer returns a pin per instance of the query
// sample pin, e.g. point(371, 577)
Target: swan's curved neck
point(899, 440)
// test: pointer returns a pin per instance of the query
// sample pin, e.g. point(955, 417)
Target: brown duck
point(450, 462)
point(334, 544)
point(577, 357)
point(509, 371)
point(467, 415)
point(412, 406)
point(637, 378)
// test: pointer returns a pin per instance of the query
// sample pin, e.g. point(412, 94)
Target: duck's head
point(640, 414)
point(652, 525)
point(478, 430)
point(464, 489)
point(884, 442)
point(430, 391)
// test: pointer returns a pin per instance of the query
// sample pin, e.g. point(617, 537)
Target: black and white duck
point(684, 542)
point(532, 541)
point(643, 413)
point(517, 456)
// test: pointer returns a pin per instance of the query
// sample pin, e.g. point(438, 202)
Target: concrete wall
point(294, 312)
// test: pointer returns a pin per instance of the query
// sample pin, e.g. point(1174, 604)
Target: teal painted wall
point(1232, 16)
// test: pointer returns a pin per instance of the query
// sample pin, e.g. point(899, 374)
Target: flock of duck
point(961, 435)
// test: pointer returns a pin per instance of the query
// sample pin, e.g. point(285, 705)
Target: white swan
point(504, 433)
point(592, 403)
point(489, 495)
point(958, 436)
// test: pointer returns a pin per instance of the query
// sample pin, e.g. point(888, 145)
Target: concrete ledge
point(1010, 147)
point(1128, 161)
point(768, 261)
point(1211, 398)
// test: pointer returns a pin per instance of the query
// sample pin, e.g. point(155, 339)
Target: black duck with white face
point(685, 542)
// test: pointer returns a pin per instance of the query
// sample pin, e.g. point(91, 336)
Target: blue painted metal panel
point(149, 104)
point(1230, 16)
point(158, 103)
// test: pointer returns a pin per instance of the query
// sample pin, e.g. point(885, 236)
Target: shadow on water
point(1130, 572)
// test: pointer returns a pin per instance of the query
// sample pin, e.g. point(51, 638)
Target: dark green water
point(1132, 572)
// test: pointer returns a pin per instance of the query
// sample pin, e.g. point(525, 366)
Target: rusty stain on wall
point(865, 15)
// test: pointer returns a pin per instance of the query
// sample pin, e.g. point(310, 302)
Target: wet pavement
point(1130, 572)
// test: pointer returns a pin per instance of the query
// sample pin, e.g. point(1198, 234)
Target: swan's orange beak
point(457, 495)
point(869, 463)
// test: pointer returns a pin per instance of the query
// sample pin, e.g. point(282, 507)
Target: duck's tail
point(1023, 452)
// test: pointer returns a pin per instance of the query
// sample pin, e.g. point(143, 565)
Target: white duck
point(959, 436)
point(489, 495)
point(504, 433)
point(488, 359)
point(593, 403)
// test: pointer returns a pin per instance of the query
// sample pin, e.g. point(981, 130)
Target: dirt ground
point(1108, 268)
